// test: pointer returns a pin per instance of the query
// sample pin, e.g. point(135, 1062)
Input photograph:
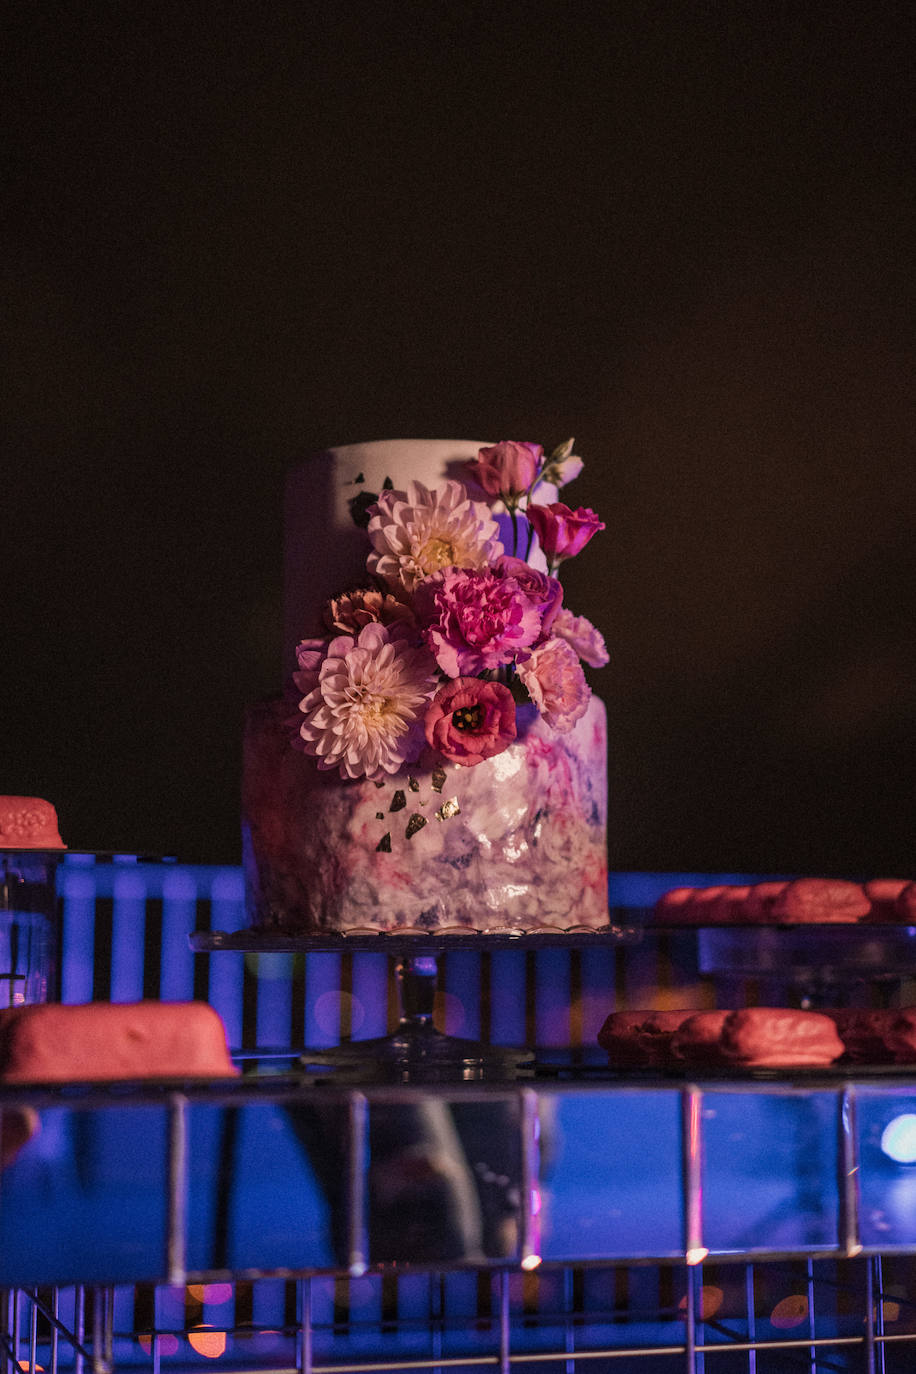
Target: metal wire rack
point(796, 1302)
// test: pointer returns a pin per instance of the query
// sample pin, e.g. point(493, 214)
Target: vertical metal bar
point(79, 1328)
point(437, 1311)
point(530, 1221)
point(692, 1174)
point(176, 1252)
point(880, 1348)
point(101, 1331)
point(17, 1328)
point(357, 1219)
point(690, 1327)
point(504, 1325)
point(812, 1319)
point(568, 1304)
point(849, 1174)
point(33, 1336)
point(751, 1310)
point(305, 1352)
point(55, 1313)
point(869, 1318)
point(7, 1325)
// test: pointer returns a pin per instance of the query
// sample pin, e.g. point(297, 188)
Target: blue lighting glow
point(898, 1139)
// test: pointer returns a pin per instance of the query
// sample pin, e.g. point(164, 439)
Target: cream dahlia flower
point(364, 714)
point(417, 532)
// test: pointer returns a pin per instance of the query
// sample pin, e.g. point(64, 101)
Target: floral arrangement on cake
point(450, 632)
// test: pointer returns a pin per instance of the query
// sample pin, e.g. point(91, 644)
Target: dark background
point(236, 233)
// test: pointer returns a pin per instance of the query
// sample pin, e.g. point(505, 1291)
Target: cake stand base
point(416, 1052)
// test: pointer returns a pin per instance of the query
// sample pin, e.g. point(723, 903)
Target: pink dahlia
point(544, 591)
point(581, 634)
point(364, 713)
point(553, 677)
point(470, 720)
point(562, 532)
point(417, 532)
point(507, 470)
point(475, 620)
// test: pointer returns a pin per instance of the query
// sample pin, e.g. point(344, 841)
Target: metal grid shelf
point(543, 1173)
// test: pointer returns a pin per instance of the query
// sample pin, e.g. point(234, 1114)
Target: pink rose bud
point(562, 532)
point(507, 470)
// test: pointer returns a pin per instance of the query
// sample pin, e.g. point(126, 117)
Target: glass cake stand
point(417, 1051)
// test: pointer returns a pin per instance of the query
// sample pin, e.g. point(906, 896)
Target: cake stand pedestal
point(416, 1051)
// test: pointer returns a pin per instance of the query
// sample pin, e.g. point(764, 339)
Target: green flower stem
point(513, 513)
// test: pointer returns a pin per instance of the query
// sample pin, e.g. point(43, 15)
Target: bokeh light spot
point(207, 1341)
point(789, 1312)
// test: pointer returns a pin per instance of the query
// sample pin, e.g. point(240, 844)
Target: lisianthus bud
point(563, 532)
point(562, 466)
point(507, 470)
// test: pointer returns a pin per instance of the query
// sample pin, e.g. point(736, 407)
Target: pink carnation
point(553, 677)
point(544, 591)
point(562, 532)
point(581, 634)
point(507, 470)
point(475, 620)
point(470, 720)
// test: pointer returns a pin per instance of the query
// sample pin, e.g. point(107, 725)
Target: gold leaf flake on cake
point(398, 801)
point(384, 844)
point(438, 779)
point(379, 815)
point(448, 809)
point(413, 784)
point(415, 823)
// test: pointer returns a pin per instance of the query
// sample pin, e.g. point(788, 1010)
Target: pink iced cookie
point(811, 901)
point(28, 823)
point(640, 1039)
point(672, 908)
point(697, 1040)
point(865, 1033)
point(779, 1037)
point(96, 1041)
point(883, 894)
point(905, 905)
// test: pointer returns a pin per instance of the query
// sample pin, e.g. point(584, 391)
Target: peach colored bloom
point(581, 634)
point(553, 678)
point(348, 613)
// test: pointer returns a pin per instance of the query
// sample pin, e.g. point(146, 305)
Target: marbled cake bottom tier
point(516, 842)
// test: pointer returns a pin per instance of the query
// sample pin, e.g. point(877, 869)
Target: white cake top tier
point(324, 549)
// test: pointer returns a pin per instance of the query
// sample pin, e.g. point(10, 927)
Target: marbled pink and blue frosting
point(514, 843)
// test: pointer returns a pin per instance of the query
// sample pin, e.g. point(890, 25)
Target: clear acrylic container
point(29, 927)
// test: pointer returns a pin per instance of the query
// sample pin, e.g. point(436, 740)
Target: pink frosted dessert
point(439, 760)
point(101, 1041)
point(28, 823)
